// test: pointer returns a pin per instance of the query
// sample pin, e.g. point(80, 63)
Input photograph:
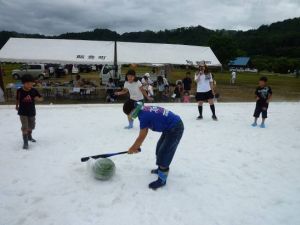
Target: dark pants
point(261, 108)
point(167, 145)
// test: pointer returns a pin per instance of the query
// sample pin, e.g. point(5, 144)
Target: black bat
point(84, 159)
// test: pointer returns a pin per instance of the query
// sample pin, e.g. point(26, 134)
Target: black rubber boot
point(30, 137)
point(25, 140)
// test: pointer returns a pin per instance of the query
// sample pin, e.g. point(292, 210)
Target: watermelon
point(103, 169)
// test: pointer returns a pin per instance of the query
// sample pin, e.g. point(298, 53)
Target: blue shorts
point(167, 145)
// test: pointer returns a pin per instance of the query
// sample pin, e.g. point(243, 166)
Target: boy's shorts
point(261, 109)
point(28, 123)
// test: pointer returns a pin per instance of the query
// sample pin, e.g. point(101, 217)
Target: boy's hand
point(39, 99)
point(257, 98)
point(150, 99)
point(117, 93)
point(133, 150)
point(17, 107)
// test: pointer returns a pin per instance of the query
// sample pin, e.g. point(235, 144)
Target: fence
point(63, 93)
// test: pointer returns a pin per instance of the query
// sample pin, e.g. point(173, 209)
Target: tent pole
point(115, 61)
point(1, 79)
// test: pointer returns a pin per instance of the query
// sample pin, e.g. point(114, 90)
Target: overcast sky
point(60, 16)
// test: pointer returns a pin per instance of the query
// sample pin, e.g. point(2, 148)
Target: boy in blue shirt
point(160, 120)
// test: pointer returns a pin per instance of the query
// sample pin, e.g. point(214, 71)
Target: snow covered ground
point(224, 173)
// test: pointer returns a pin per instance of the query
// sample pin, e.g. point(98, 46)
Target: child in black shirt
point(25, 105)
point(178, 92)
point(263, 96)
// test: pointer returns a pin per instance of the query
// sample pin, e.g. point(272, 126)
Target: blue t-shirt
point(157, 118)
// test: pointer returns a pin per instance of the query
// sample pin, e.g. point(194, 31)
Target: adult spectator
point(147, 84)
point(233, 77)
point(78, 82)
point(162, 83)
point(187, 82)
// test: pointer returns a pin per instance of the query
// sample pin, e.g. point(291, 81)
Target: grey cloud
point(60, 16)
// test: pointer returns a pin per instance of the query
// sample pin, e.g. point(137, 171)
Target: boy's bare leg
point(262, 125)
point(29, 133)
point(130, 125)
point(254, 124)
point(25, 138)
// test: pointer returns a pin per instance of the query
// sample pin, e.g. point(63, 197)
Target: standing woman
point(136, 91)
point(205, 90)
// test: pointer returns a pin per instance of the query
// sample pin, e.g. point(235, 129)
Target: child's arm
point(196, 77)
point(38, 97)
point(270, 95)
point(212, 87)
point(138, 142)
point(269, 98)
point(123, 92)
point(256, 95)
point(17, 100)
point(145, 94)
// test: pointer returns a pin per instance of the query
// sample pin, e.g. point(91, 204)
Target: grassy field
point(285, 88)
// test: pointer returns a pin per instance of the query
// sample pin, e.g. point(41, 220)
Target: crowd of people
point(161, 90)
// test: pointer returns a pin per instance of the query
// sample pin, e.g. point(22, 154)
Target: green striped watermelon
point(103, 168)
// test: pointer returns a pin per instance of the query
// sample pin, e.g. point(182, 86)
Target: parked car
point(38, 71)
point(84, 68)
point(60, 71)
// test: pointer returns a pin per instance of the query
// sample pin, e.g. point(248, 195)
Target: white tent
point(27, 50)
point(149, 53)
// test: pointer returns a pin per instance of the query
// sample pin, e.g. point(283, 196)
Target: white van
point(38, 71)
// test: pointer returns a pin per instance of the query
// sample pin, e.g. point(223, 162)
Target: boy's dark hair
point(27, 78)
point(131, 72)
point(265, 79)
point(128, 106)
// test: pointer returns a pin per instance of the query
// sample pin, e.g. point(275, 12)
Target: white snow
point(224, 173)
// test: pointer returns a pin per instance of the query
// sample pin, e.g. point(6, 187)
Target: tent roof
point(143, 53)
point(29, 50)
